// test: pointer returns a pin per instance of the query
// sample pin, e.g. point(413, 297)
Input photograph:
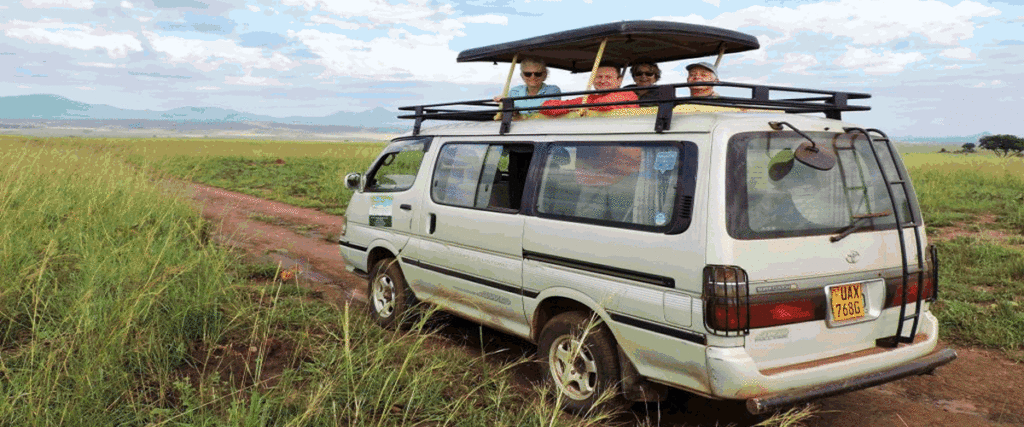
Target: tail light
point(344, 225)
point(894, 293)
point(730, 310)
point(726, 300)
point(784, 313)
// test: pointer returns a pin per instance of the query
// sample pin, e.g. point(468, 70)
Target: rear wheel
point(579, 358)
point(390, 297)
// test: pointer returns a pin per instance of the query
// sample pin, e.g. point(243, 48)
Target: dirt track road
point(980, 388)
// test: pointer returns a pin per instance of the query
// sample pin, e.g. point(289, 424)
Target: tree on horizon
point(1002, 145)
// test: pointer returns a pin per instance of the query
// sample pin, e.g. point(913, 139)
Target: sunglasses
point(536, 74)
point(645, 74)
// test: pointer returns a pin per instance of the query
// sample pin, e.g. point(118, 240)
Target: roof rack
point(762, 97)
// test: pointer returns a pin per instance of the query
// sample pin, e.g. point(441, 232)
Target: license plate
point(846, 302)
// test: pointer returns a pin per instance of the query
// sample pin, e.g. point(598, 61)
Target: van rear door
point(821, 248)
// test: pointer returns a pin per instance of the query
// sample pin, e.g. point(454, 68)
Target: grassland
point(118, 310)
point(974, 206)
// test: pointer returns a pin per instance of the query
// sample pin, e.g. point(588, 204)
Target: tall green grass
point(107, 281)
point(117, 310)
point(982, 279)
point(957, 188)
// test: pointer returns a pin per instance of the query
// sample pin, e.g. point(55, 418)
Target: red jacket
point(626, 95)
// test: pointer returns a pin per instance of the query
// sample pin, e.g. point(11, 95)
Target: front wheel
point(390, 297)
point(579, 357)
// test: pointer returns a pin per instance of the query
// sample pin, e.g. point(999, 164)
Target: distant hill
point(54, 107)
point(942, 139)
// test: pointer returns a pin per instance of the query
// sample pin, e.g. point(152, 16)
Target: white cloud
point(75, 36)
point(209, 55)
point(958, 53)
point(249, 80)
point(252, 8)
point(98, 64)
point(399, 56)
point(127, 5)
point(418, 14)
point(24, 87)
point(85, 88)
point(869, 62)
point(321, 19)
point(207, 88)
point(864, 22)
point(993, 83)
point(72, 4)
point(715, 3)
point(763, 80)
point(798, 63)
point(485, 19)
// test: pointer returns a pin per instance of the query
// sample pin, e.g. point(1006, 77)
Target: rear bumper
point(922, 365)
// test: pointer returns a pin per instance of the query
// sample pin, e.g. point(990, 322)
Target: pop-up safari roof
point(626, 43)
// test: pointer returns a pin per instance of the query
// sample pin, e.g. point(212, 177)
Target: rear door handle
point(405, 207)
point(432, 225)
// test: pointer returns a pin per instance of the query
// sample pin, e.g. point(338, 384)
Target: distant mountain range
point(942, 139)
point(54, 107)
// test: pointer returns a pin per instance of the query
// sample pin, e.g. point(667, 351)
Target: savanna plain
point(120, 308)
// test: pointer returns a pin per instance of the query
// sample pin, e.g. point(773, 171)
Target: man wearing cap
point(702, 72)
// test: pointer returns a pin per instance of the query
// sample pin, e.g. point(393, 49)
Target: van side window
point(633, 185)
point(396, 169)
point(481, 175)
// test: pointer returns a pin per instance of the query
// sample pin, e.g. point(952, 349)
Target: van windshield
point(771, 195)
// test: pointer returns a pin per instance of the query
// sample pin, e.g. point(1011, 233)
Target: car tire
point(389, 296)
point(580, 374)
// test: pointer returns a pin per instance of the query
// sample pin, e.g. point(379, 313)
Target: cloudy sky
point(933, 67)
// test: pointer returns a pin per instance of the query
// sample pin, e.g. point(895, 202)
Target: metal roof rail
point(762, 97)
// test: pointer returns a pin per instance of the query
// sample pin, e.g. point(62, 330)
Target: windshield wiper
point(854, 226)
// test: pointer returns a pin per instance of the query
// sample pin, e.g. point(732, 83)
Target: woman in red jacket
point(607, 77)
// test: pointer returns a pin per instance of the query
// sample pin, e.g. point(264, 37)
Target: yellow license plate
point(846, 302)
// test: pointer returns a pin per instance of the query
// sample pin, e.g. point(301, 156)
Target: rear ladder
point(901, 224)
point(860, 191)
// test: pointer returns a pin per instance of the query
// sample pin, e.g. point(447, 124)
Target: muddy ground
point(979, 388)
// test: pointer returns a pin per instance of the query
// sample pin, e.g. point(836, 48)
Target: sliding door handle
point(405, 207)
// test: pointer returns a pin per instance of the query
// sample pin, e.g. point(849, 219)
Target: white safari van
point(752, 246)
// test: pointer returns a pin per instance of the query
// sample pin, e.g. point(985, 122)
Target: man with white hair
point(702, 72)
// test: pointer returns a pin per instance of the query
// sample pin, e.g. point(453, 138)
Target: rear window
point(771, 195)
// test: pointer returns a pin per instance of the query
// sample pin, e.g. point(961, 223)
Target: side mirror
point(354, 181)
point(808, 153)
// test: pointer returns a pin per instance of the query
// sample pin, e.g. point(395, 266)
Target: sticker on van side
point(380, 211)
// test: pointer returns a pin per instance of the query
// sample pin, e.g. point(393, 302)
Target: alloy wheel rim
point(384, 296)
point(573, 368)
